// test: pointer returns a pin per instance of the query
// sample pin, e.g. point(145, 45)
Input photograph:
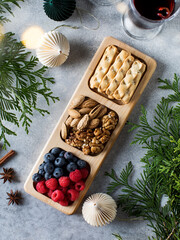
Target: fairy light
point(122, 7)
point(31, 37)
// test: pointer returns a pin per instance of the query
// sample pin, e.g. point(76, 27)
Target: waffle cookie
point(130, 82)
point(106, 61)
point(113, 70)
point(119, 76)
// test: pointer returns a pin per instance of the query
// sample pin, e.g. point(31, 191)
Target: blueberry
point(47, 161)
point(42, 172)
point(71, 167)
point(58, 172)
point(56, 151)
point(41, 166)
point(75, 159)
point(49, 167)
point(60, 162)
point(47, 176)
point(37, 177)
point(49, 157)
point(62, 153)
point(81, 163)
point(69, 156)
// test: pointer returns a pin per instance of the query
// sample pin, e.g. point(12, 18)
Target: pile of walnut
point(89, 125)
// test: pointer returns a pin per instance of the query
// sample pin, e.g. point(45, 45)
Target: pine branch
point(161, 174)
point(146, 130)
point(166, 119)
point(119, 181)
point(5, 131)
point(5, 6)
point(175, 97)
point(118, 237)
point(165, 125)
point(144, 199)
point(20, 85)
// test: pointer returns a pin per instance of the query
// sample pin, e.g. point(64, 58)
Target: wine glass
point(104, 2)
point(140, 22)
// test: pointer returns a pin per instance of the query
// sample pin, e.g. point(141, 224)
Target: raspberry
point(72, 194)
point(57, 196)
point(64, 181)
point(41, 188)
point(84, 173)
point(63, 189)
point(75, 176)
point(64, 202)
point(49, 193)
point(72, 185)
point(52, 183)
point(79, 186)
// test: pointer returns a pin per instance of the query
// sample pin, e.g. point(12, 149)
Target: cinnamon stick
point(8, 155)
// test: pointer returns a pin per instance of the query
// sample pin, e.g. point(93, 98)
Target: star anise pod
point(7, 175)
point(14, 197)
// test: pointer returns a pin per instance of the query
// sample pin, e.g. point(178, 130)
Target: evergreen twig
point(5, 6)
point(20, 85)
point(118, 237)
point(161, 174)
point(21, 82)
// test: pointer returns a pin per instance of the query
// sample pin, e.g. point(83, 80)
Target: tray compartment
point(65, 172)
point(120, 102)
point(91, 141)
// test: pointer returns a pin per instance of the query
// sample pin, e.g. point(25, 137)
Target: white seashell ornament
point(53, 50)
point(99, 209)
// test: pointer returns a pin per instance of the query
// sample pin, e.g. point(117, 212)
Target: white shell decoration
point(99, 209)
point(53, 50)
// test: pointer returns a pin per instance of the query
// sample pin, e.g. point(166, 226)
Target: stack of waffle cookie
point(117, 74)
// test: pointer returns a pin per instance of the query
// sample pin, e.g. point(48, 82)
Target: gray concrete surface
point(34, 219)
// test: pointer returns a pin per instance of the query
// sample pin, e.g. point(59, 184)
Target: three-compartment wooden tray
point(123, 112)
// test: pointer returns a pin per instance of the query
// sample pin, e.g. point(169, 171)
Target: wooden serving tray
point(123, 112)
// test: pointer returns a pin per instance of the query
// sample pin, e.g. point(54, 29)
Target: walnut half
point(109, 121)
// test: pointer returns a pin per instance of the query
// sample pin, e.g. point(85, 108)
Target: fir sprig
point(170, 169)
point(20, 85)
point(163, 126)
point(161, 174)
point(166, 119)
point(118, 237)
point(144, 197)
point(5, 6)
point(21, 82)
point(175, 97)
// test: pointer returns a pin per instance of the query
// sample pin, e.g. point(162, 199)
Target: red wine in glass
point(155, 9)
point(144, 19)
